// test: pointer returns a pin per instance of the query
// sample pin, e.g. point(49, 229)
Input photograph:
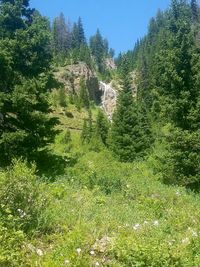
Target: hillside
point(99, 155)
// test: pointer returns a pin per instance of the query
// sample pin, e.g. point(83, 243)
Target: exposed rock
point(110, 64)
point(71, 75)
point(101, 245)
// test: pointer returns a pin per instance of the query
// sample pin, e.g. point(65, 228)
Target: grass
point(137, 222)
point(101, 212)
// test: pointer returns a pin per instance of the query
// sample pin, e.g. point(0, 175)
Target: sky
point(122, 22)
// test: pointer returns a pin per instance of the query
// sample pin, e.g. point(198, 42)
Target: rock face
point(110, 64)
point(109, 98)
point(71, 75)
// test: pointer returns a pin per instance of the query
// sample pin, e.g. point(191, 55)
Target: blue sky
point(122, 22)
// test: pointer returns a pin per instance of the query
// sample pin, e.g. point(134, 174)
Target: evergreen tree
point(61, 36)
point(78, 35)
point(102, 127)
point(99, 48)
point(127, 133)
point(25, 59)
point(84, 96)
point(87, 130)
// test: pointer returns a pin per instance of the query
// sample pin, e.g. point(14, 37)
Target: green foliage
point(21, 197)
point(130, 131)
point(83, 95)
point(87, 129)
point(99, 48)
point(183, 159)
point(62, 98)
point(102, 126)
point(25, 59)
point(167, 62)
point(23, 203)
point(61, 36)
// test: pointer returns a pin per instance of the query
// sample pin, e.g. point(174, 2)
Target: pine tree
point(78, 35)
point(102, 127)
point(83, 95)
point(61, 36)
point(128, 137)
point(99, 48)
point(25, 59)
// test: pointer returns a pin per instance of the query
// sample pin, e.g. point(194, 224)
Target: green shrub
point(21, 197)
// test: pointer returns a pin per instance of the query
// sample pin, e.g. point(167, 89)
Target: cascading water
point(109, 98)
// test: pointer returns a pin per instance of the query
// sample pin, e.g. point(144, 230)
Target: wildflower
point(136, 226)
point(21, 213)
point(92, 253)
point(185, 240)
point(66, 262)
point(39, 252)
point(97, 264)
point(78, 251)
point(156, 223)
point(194, 234)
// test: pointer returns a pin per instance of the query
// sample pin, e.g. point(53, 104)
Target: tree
point(83, 95)
point(61, 36)
point(87, 130)
point(128, 136)
point(78, 35)
point(25, 79)
point(102, 127)
point(99, 49)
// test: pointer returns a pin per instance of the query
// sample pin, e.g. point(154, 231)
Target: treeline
point(167, 62)
point(70, 44)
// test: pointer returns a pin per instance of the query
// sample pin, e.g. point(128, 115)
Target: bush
point(21, 197)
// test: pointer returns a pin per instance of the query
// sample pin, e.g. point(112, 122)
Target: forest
point(99, 152)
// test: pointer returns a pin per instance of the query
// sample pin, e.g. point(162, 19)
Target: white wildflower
point(194, 234)
point(92, 253)
point(66, 262)
point(136, 226)
point(156, 223)
point(21, 213)
point(185, 240)
point(97, 264)
point(78, 251)
point(39, 252)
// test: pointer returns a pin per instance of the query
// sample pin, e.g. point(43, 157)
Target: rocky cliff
point(104, 94)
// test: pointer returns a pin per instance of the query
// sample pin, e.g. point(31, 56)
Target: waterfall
point(109, 98)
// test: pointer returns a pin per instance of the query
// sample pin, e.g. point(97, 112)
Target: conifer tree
point(83, 95)
point(78, 35)
point(127, 133)
point(24, 80)
point(61, 36)
point(102, 126)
